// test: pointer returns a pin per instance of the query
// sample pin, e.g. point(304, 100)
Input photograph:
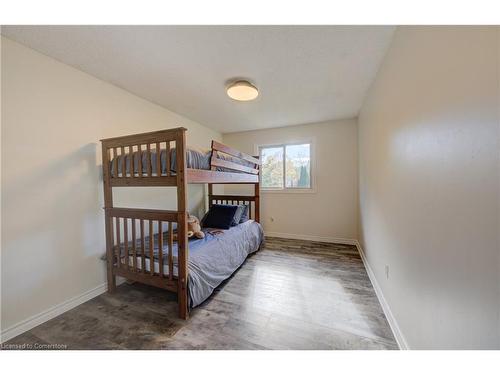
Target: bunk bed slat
point(131, 161)
point(134, 247)
point(158, 159)
point(151, 248)
point(122, 156)
point(143, 247)
point(170, 255)
point(139, 167)
point(160, 247)
point(148, 164)
point(114, 242)
point(118, 239)
point(125, 242)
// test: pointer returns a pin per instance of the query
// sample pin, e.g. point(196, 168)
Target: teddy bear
point(193, 228)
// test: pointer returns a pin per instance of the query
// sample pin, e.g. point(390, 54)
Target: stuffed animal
point(193, 228)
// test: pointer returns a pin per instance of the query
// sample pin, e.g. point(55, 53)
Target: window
point(286, 167)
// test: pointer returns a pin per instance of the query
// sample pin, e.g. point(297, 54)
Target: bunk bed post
point(108, 203)
point(182, 240)
point(210, 193)
point(257, 202)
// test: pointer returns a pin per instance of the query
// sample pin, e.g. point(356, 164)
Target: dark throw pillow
point(220, 216)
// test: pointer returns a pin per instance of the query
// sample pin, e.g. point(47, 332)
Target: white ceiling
point(304, 73)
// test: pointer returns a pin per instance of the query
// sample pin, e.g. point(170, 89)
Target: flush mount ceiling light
point(242, 91)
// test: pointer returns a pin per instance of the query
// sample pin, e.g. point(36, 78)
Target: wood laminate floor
point(290, 295)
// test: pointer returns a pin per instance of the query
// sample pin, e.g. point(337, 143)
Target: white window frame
point(287, 190)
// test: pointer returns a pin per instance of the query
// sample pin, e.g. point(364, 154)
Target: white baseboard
point(52, 312)
point(306, 237)
point(400, 339)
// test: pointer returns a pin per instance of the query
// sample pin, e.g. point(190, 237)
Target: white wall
point(429, 185)
point(52, 219)
point(328, 213)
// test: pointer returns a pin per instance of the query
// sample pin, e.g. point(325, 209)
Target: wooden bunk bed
point(133, 224)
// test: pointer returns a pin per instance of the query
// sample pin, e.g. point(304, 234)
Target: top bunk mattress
point(195, 159)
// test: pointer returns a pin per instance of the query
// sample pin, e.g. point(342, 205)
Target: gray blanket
point(212, 259)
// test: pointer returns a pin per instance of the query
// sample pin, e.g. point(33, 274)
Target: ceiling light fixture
point(242, 91)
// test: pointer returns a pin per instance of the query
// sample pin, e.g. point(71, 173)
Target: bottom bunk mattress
point(211, 259)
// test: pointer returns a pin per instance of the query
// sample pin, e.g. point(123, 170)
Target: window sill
point(288, 191)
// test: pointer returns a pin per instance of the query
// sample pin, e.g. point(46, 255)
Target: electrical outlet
point(387, 272)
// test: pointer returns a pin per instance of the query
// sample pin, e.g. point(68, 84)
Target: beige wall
point(429, 185)
point(52, 220)
point(330, 211)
